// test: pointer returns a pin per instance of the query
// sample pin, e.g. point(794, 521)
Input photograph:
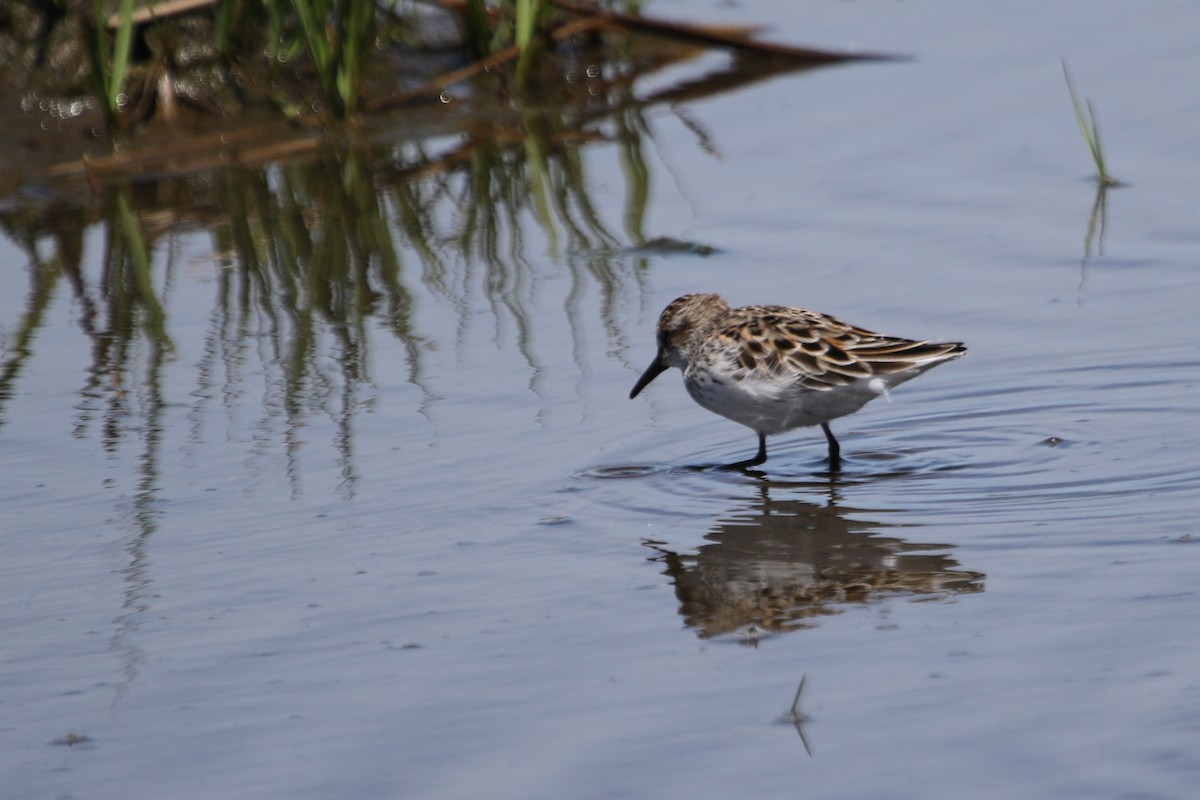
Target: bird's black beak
point(656, 368)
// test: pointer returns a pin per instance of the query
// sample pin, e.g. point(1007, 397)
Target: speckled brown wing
point(821, 351)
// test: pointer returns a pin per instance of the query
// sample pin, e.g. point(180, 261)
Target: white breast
point(774, 406)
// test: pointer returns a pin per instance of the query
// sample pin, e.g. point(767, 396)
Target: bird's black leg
point(835, 449)
point(759, 457)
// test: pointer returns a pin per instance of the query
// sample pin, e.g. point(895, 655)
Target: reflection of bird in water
point(779, 564)
point(774, 368)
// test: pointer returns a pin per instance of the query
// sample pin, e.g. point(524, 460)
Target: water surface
point(350, 499)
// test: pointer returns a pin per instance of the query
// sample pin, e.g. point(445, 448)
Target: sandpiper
point(774, 368)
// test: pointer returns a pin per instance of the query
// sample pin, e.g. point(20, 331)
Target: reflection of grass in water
point(637, 175)
point(126, 314)
point(321, 254)
point(44, 276)
point(129, 265)
point(1097, 222)
point(1090, 129)
point(320, 249)
point(313, 261)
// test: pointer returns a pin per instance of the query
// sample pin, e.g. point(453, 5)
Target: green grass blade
point(526, 26)
point(1094, 142)
point(312, 17)
point(526, 21)
point(121, 50)
point(1090, 129)
point(477, 34)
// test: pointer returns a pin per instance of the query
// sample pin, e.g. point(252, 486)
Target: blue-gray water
point(447, 556)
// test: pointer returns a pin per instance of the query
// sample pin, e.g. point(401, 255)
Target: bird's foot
point(742, 466)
